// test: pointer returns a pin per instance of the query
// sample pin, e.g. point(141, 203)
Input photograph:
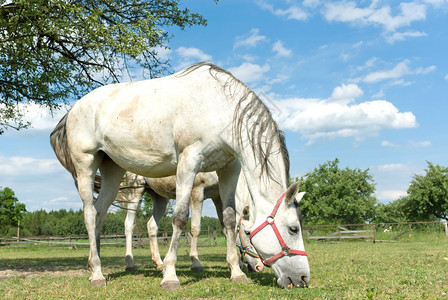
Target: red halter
point(285, 249)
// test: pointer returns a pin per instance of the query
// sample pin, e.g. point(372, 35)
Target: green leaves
point(57, 51)
point(10, 209)
point(338, 196)
point(428, 194)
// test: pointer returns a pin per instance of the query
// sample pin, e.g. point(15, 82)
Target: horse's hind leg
point(197, 198)
point(95, 211)
point(129, 223)
point(86, 167)
point(159, 207)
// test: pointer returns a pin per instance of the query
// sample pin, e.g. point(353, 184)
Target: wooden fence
point(369, 232)
point(207, 238)
point(344, 233)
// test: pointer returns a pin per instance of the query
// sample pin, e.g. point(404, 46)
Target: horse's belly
point(146, 159)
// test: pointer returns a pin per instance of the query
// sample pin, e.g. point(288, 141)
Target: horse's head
point(248, 253)
point(278, 240)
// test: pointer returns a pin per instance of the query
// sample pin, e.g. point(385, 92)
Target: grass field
point(410, 269)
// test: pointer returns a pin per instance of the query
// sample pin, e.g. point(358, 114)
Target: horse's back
point(144, 125)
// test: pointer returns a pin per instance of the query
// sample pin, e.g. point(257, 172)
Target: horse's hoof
point(240, 279)
point(170, 285)
point(131, 269)
point(98, 282)
point(198, 269)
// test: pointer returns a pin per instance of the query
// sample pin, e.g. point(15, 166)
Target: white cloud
point(311, 3)
point(346, 93)
point(446, 77)
point(163, 53)
point(339, 116)
point(397, 72)
point(292, 13)
point(422, 144)
point(401, 36)
point(281, 50)
point(195, 53)
point(248, 72)
point(189, 56)
point(392, 168)
point(251, 40)
point(349, 12)
point(437, 3)
point(388, 144)
point(20, 165)
point(40, 117)
point(390, 195)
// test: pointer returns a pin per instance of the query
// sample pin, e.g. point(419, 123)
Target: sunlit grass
point(411, 269)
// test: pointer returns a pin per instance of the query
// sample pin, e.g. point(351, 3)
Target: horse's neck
point(264, 189)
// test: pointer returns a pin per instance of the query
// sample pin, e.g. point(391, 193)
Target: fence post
point(165, 237)
point(446, 228)
point(214, 237)
point(410, 230)
point(374, 233)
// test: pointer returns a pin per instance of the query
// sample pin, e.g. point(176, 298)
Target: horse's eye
point(293, 229)
point(247, 232)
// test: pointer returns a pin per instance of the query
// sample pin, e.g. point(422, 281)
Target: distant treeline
point(71, 222)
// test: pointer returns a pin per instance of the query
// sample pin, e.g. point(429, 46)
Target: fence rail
point(139, 239)
point(377, 232)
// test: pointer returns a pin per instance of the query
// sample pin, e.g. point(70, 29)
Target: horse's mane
point(262, 131)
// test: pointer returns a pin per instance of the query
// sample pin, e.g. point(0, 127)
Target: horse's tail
point(58, 140)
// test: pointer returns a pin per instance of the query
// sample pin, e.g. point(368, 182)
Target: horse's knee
point(180, 218)
point(152, 227)
point(229, 217)
point(195, 231)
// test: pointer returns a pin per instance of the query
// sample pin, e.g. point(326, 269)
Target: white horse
point(199, 120)
point(205, 186)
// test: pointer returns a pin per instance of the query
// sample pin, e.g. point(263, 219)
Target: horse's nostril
point(305, 281)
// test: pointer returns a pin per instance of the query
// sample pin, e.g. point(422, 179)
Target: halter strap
point(270, 220)
point(243, 248)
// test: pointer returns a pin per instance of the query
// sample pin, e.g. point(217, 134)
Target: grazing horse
point(205, 186)
point(201, 119)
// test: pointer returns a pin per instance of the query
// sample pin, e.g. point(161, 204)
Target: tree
point(337, 196)
point(428, 195)
point(53, 51)
point(393, 212)
point(11, 210)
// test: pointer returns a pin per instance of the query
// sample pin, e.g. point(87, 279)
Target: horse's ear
point(291, 192)
point(246, 212)
point(299, 196)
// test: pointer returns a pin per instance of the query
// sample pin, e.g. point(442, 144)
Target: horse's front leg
point(186, 172)
point(228, 178)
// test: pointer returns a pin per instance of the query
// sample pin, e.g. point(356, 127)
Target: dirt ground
point(34, 271)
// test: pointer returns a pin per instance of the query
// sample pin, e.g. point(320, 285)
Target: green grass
point(409, 269)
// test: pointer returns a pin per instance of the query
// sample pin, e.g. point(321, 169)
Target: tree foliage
point(53, 51)
point(337, 196)
point(393, 212)
point(428, 195)
point(11, 210)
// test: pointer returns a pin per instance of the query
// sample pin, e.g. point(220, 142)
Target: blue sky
point(364, 81)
